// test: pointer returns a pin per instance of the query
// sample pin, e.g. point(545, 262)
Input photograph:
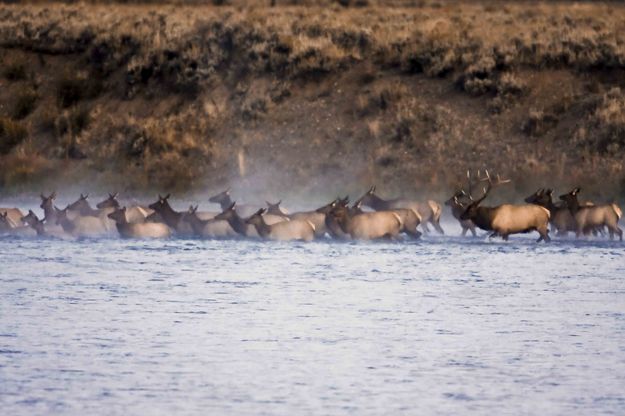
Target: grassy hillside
point(312, 98)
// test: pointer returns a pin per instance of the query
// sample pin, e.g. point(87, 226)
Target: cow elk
point(212, 228)
point(410, 218)
point(81, 226)
point(589, 218)
point(134, 214)
point(47, 205)
point(170, 217)
point(282, 231)
point(429, 211)
point(237, 223)
point(43, 228)
point(12, 214)
point(367, 225)
point(7, 226)
point(332, 226)
point(224, 200)
point(137, 230)
point(318, 219)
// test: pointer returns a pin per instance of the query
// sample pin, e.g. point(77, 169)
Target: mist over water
point(443, 326)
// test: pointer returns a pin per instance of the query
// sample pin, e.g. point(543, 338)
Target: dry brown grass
point(174, 94)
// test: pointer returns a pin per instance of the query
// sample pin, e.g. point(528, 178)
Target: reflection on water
point(447, 326)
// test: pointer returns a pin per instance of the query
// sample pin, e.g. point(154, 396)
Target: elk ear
point(53, 195)
point(549, 192)
point(124, 209)
point(540, 191)
point(279, 202)
point(167, 197)
point(227, 191)
point(86, 196)
point(371, 190)
point(231, 207)
point(30, 211)
point(269, 204)
point(42, 197)
point(575, 191)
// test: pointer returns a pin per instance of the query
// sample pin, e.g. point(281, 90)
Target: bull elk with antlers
point(507, 219)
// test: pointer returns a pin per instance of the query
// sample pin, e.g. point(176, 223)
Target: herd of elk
point(337, 219)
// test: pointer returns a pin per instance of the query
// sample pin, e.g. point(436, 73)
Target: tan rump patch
point(436, 209)
point(312, 225)
point(142, 211)
point(401, 223)
point(546, 211)
point(417, 214)
point(618, 211)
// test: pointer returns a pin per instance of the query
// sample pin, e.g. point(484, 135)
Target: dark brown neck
point(377, 203)
point(49, 213)
point(483, 217)
point(262, 227)
point(573, 205)
point(225, 202)
point(67, 225)
point(171, 217)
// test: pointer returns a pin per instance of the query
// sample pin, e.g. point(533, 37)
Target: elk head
point(471, 210)
point(275, 209)
point(110, 202)
point(227, 213)
point(47, 202)
point(119, 215)
point(570, 199)
point(221, 197)
point(257, 217)
point(332, 205)
point(161, 203)
point(367, 197)
point(80, 204)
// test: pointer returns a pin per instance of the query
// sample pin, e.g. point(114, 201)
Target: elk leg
point(505, 237)
point(544, 235)
point(437, 226)
point(424, 225)
point(473, 231)
point(464, 231)
point(494, 234)
point(414, 234)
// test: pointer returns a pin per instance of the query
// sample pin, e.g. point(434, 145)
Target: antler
point(491, 184)
point(473, 183)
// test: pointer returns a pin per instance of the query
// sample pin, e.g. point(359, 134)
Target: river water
point(443, 326)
